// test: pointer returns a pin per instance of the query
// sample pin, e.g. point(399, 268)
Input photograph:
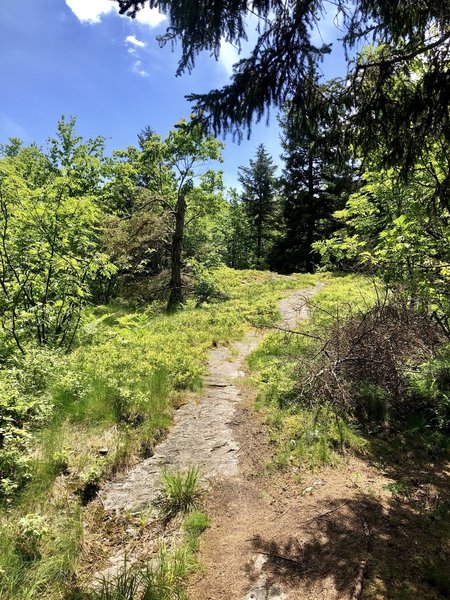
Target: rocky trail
point(275, 534)
point(202, 433)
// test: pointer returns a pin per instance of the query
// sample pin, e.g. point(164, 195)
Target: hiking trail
point(202, 435)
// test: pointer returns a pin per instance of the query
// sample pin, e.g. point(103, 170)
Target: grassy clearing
point(86, 415)
point(306, 436)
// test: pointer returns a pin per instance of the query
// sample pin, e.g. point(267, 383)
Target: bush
point(429, 386)
point(30, 531)
point(206, 288)
point(23, 406)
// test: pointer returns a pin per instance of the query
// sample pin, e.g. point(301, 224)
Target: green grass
point(163, 578)
point(180, 492)
point(106, 405)
point(306, 436)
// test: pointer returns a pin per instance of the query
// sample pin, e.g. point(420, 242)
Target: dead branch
point(285, 558)
point(357, 589)
point(324, 514)
point(358, 586)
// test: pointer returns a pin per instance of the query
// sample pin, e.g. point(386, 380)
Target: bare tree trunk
point(176, 286)
point(311, 221)
point(259, 241)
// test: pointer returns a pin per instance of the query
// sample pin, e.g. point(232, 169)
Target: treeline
point(77, 226)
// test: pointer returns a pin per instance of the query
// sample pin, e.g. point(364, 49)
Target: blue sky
point(79, 57)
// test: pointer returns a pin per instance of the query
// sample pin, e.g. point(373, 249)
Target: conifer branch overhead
point(276, 71)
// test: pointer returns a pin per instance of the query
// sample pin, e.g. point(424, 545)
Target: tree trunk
point(311, 221)
point(259, 240)
point(176, 286)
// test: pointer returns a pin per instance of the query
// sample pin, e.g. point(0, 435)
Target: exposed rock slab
point(200, 436)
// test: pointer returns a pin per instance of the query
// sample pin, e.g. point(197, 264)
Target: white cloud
point(229, 55)
point(132, 39)
point(137, 68)
point(92, 11)
point(150, 16)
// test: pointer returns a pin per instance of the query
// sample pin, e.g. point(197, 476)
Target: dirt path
point(202, 433)
point(334, 534)
point(282, 535)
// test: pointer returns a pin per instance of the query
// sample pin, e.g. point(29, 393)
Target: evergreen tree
point(238, 243)
point(276, 72)
point(258, 195)
point(316, 181)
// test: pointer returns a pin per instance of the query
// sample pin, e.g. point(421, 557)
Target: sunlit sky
point(79, 57)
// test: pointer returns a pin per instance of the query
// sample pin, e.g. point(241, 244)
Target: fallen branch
point(281, 557)
point(324, 514)
point(297, 332)
point(357, 590)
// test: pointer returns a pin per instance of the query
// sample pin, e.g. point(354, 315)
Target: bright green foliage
point(195, 523)
point(400, 230)
point(39, 549)
point(31, 529)
point(48, 235)
point(430, 387)
point(102, 396)
point(163, 198)
point(180, 492)
point(24, 406)
point(305, 435)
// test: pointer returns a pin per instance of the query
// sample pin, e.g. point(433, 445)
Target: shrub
point(20, 412)
point(206, 288)
point(429, 386)
point(30, 531)
point(362, 365)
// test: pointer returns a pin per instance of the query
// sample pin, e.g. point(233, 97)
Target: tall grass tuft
point(163, 579)
point(180, 492)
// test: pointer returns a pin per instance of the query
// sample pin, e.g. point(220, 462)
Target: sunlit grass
point(307, 436)
point(112, 401)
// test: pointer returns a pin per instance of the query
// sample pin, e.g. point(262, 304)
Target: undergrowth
point(165, 576)
point(363, 368)
point(70, 421)
point(306, 434)
point(163, 579)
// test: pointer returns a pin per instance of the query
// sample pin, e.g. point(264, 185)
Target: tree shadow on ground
point(399, 542)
